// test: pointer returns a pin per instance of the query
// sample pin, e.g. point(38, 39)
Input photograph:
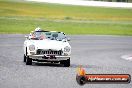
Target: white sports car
point(47, 46)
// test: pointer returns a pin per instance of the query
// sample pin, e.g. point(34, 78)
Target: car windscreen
point(50, 35)
point(55, 35)
point(38, 34)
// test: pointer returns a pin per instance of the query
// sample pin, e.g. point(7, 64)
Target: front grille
point(49, 52)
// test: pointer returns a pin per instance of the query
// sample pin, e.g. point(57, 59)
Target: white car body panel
point(47, 44)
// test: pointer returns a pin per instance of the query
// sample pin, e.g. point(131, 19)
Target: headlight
point(32, 47)
point(66, 49)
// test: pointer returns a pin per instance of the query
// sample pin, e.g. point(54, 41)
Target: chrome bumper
point(49, 57)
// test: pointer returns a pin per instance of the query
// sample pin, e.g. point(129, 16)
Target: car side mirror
point(26, 36)
point(68, 39)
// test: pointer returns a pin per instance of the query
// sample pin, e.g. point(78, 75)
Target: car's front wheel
point(24, 58)
point(28, 61)
point(66, 63)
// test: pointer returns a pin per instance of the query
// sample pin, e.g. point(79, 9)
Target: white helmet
point(38, 29)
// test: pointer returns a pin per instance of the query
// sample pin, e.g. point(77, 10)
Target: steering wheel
point(42, 37)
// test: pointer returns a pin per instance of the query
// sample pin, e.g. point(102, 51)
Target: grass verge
point(22, 17)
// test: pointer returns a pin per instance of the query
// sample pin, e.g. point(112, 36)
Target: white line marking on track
point(127, 57)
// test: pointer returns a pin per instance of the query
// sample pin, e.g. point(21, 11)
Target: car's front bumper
point(48, 57)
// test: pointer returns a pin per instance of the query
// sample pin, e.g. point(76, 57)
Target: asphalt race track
point(97, 54)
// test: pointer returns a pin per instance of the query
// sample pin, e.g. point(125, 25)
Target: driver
point(42, 37)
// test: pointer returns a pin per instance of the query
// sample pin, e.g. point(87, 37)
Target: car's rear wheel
point(28, 61)
point(66, 63)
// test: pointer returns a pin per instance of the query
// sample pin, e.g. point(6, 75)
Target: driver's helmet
point(38, 29)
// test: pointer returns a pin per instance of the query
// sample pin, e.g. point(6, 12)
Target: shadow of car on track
point(61, 65)
point(47, 64)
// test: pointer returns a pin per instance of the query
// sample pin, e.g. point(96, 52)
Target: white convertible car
point(47, 46)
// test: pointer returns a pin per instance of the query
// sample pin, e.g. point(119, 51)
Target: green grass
point(22, 17)
point(52, 11)
point(19, 25)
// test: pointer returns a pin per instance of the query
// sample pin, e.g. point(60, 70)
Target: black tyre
point(28, 61)
point(66, 63)
point(24, 58)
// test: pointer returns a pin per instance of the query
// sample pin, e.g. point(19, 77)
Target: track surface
point(97, 54)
